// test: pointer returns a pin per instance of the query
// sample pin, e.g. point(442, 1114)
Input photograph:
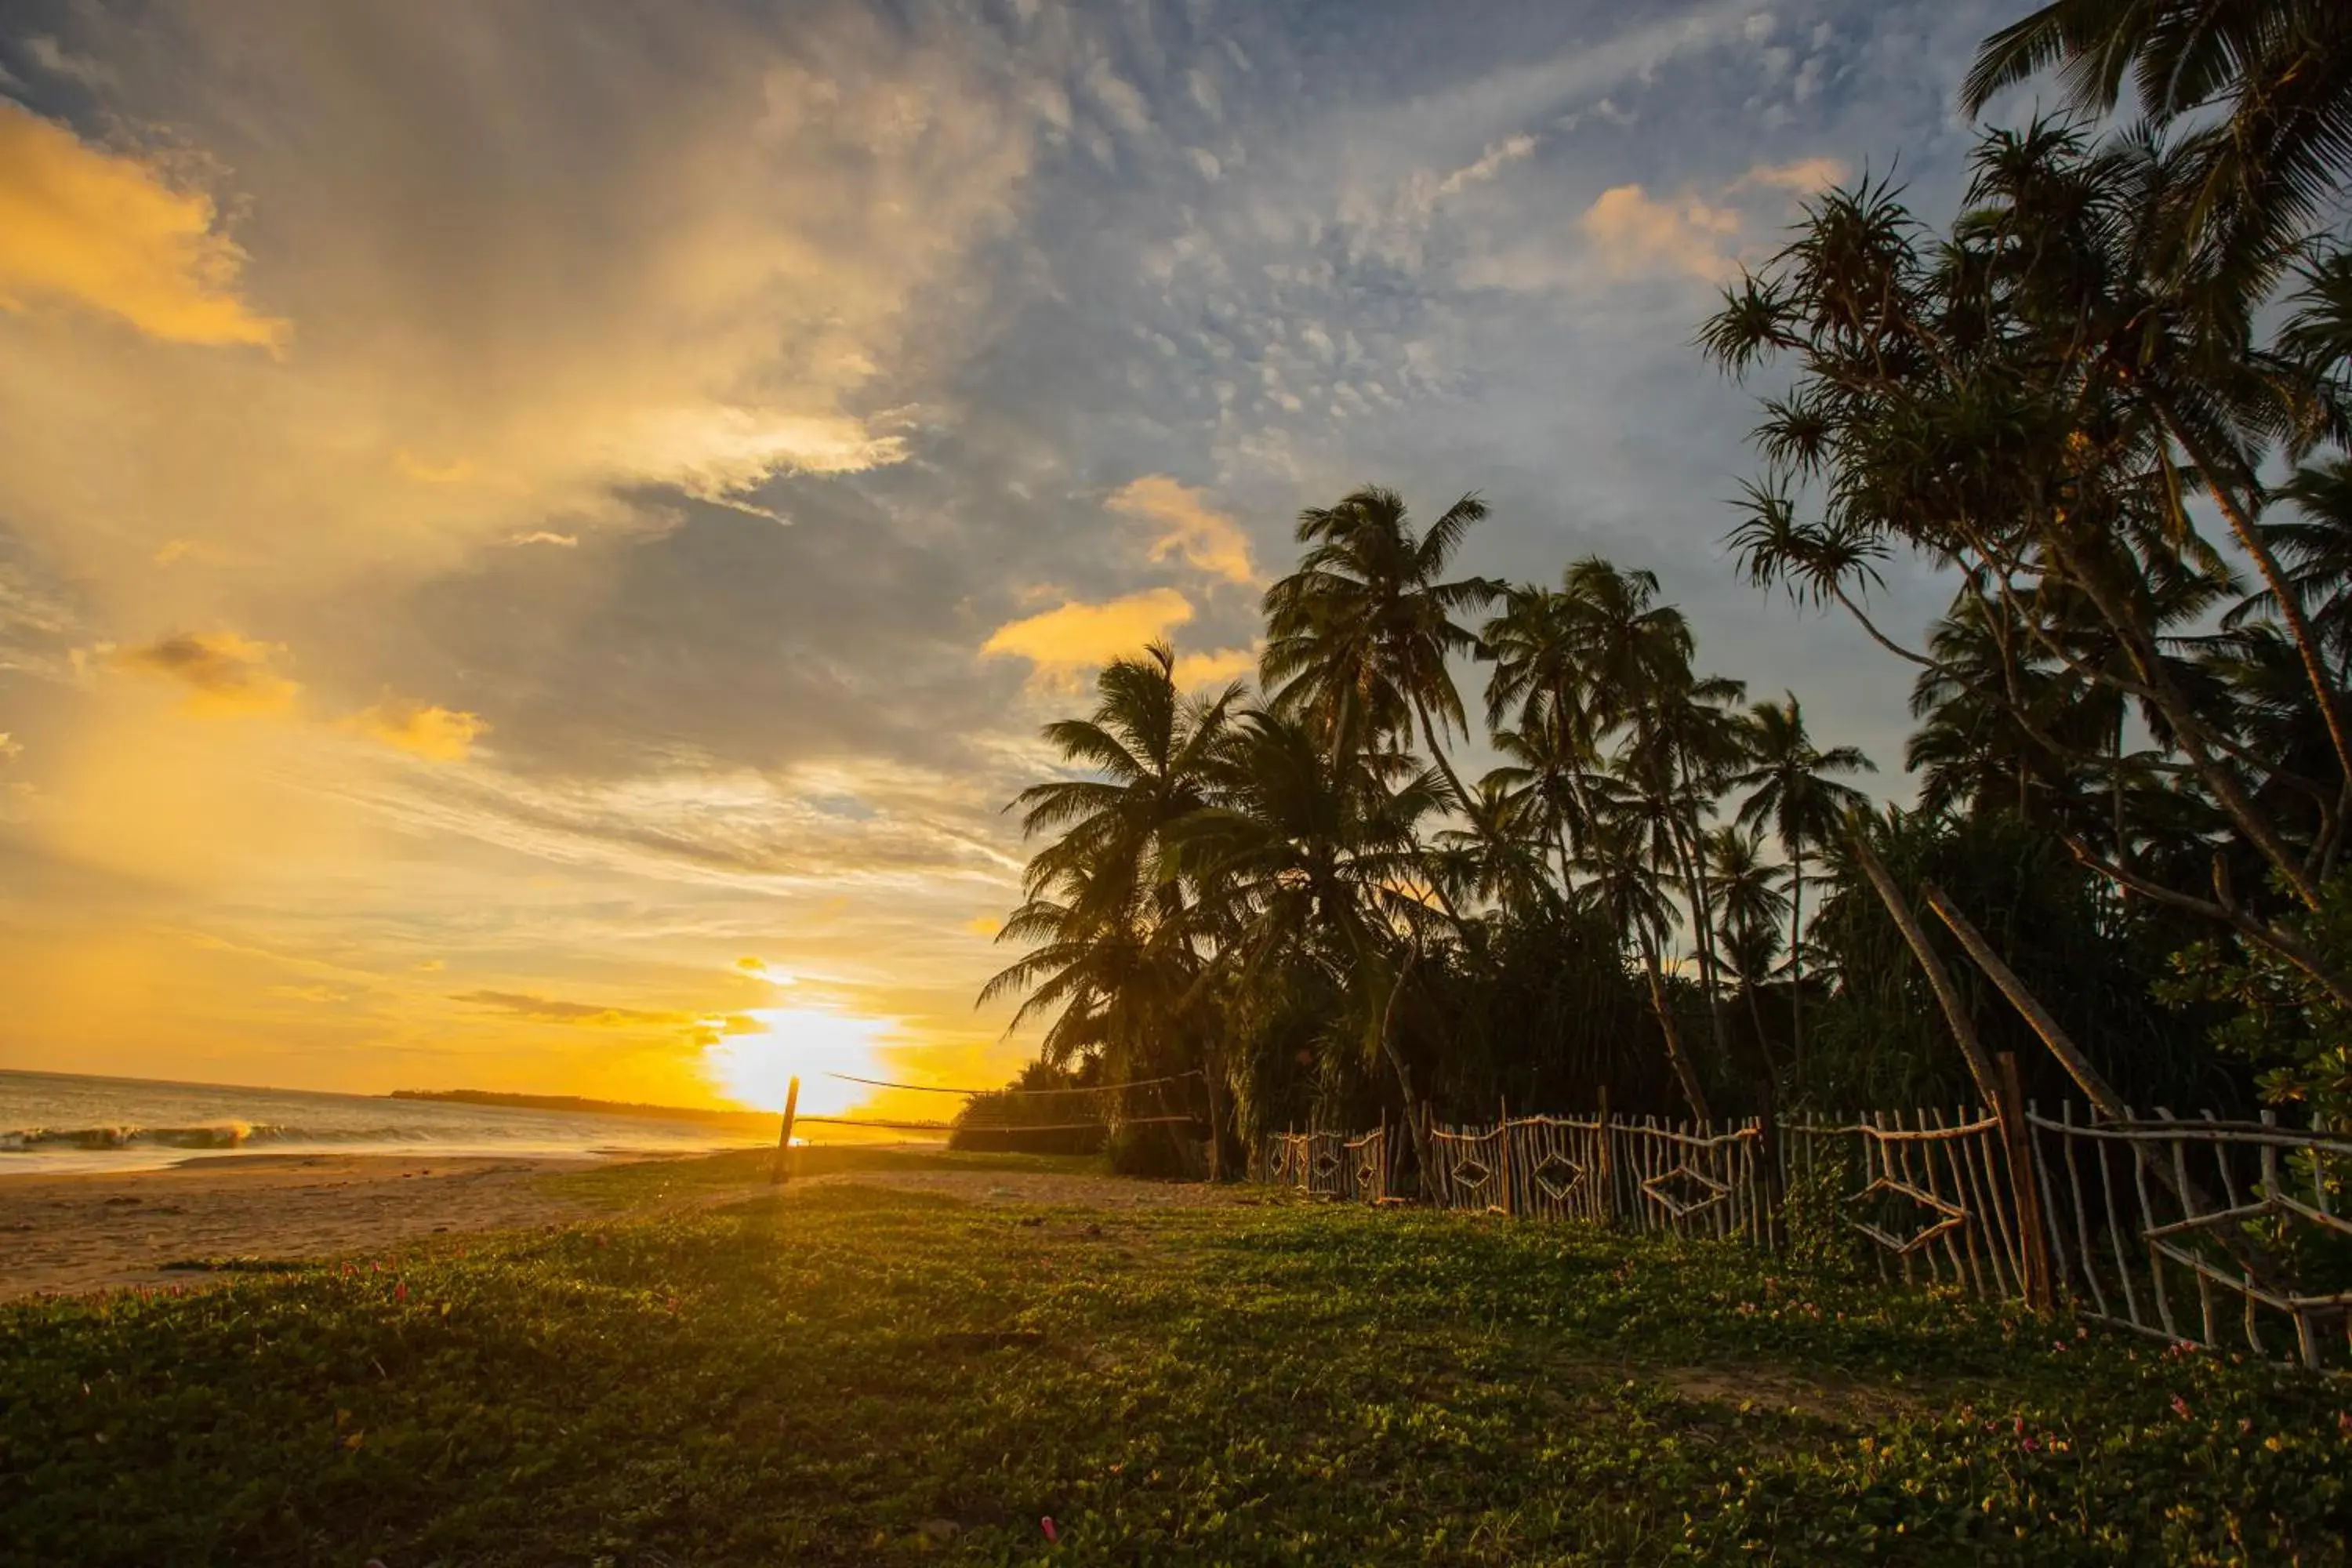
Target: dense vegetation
point(2108, 401)
point(864, 1375)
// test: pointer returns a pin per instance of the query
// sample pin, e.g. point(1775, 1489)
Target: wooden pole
point(2096, 1088)
point(2019, 1135)
point(779, 1174)
point(1503, 1130)
point(2252, 1256)
point(1939, 979)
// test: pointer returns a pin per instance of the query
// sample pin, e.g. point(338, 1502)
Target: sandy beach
point(65, 1234)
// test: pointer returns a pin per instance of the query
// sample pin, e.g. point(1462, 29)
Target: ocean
point(66, 1122)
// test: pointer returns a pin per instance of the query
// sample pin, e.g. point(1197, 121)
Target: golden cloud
point(1077, 636)
point(1197, 669)
point(226, 674)
point(1804, 176)
point(440, 734)
point(1191, 529)
point(108, 233)
point(550, 1010)
point(1631, 233)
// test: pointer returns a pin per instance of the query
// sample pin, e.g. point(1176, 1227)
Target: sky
point(536, 537)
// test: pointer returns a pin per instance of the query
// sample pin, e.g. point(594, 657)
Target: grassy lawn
point(866, 1375)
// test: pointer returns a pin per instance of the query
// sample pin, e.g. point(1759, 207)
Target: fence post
point(1604, 1164)
point(777, 1173)
point(1503, 1131)
point(2019, 1136)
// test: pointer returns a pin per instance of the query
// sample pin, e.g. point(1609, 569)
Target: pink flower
point(1053, 1537)
point(400, 1293)
point(2180, 1407)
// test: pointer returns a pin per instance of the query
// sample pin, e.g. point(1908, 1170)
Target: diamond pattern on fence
point(1558, 1177)
point(1935, 1216)
point(1684, 1191)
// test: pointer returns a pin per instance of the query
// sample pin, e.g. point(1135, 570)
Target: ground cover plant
point(856, 1373)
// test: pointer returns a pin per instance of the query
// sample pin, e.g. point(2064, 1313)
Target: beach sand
point(66, 1234)
point(69, 1233)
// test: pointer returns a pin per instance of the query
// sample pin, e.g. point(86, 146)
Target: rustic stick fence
point(2223, 1234)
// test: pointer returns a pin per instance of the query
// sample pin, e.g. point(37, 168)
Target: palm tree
point(2029, 398)
point(1622, 888)
point(1748, 889)
point(2270, 169)
point(1307, 856)
point(1683, 735)
point(1358, 637)
point(2316, 551)
point(1790, 786)
point(1111, 954)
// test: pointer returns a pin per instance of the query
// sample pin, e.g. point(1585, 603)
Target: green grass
point(1273, 1382)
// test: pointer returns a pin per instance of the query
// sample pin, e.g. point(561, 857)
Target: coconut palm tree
point(1792, 787)
point(1310, 857)
point(1622, 887)
point(1111, 954)
point(1358, 637)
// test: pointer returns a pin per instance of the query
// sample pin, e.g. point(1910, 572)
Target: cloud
point(436, 734)
point(741, 254)
point(226, 674)
point(1191, 529)
point(1632, 234)
point(1804, 176)
point(110, 234)
point(51, 56)
point(1194, 670)
point(1509, 149)
point(548, 1010)
point(1075, 637)
point(547, 536)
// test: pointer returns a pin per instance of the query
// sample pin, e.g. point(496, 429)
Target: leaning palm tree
point(1790, 785)
point(1358, 637)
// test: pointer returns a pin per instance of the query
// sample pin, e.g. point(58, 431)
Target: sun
point(807, 1043)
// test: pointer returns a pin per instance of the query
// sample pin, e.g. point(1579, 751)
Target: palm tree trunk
point(1437, 755)
point(2283, 592)
point(1686, 1071)
point(1702, 945)
point(1797, 957)
point(1397, 1064)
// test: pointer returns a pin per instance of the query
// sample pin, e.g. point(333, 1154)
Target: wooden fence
point(2216, 1233)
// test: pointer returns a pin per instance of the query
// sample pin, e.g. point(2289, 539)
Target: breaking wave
point(212, 1135)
